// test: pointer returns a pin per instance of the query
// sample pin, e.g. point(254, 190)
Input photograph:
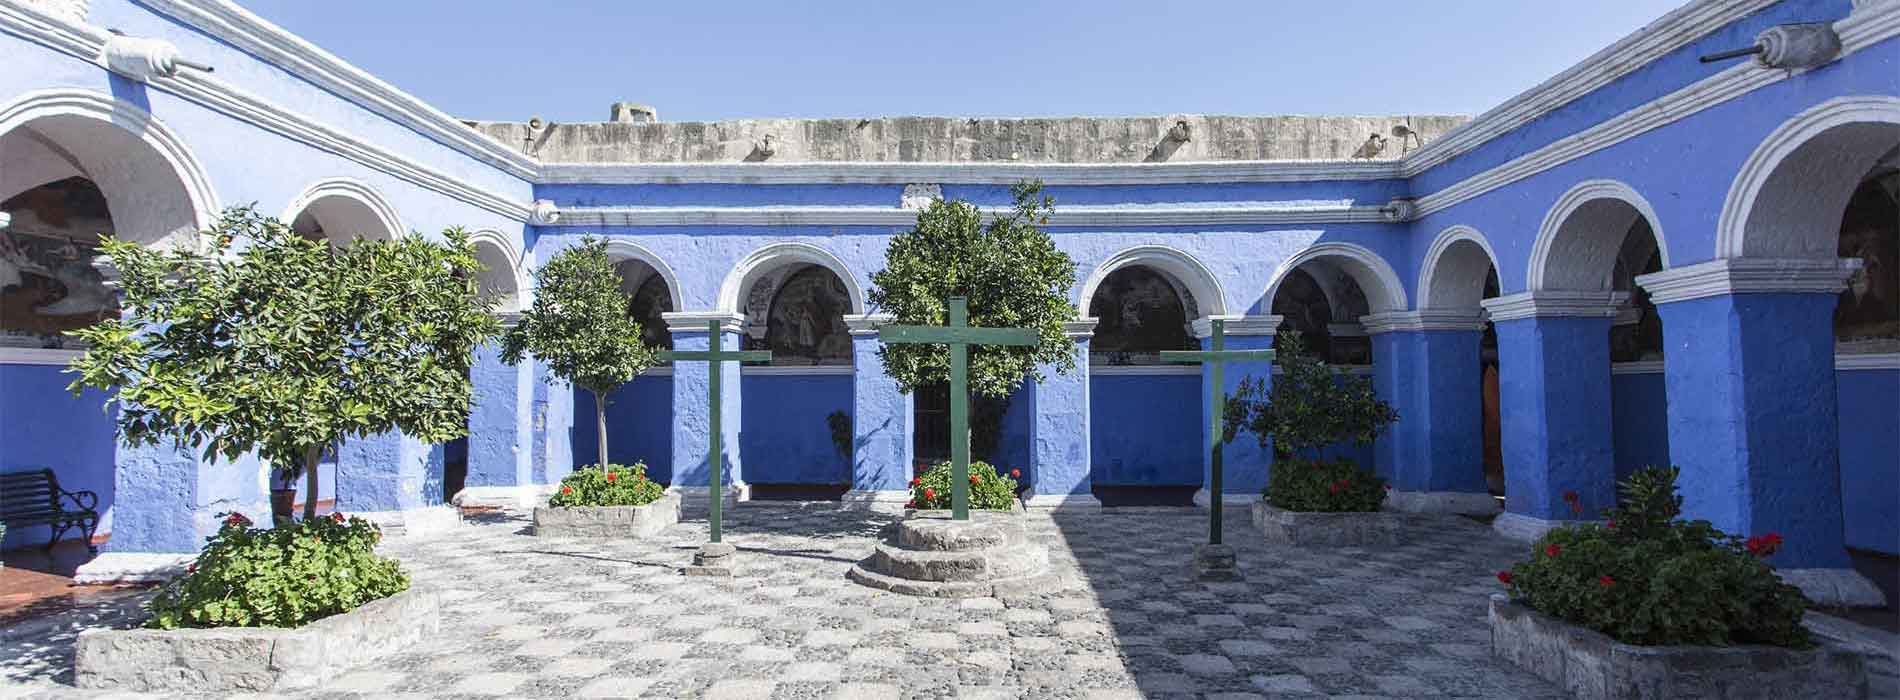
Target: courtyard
point(529, 617)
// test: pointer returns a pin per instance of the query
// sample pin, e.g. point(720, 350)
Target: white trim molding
point(1428, 273)
point(1732, 229)
point(1061, 502)
point(45, 357)
point(1555, 304)
point(1149, 215)
point(234, 25)
point(620, 249)
point(866, 324)
point(1095, 370)
point(1869, 361)
point(1726, 276)
point(886, 173)
point(772, 256)
point(1424, 320)
point(355, 191)
point(1081, 328)
point(1384, 291)
point(517, 298)
point(1560, 222)
point(1637, 367)
point(695, 321)
point(1237, 324)
point(797, 370)
point(1185, 269)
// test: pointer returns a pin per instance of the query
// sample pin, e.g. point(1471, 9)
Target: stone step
point(931, 534)
point(950, 589)
point(1015, 560)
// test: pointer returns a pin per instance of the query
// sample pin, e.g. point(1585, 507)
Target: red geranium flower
point(237, 520)
point(1611, 524)
point(1504, 577)
point(1015, 473)
point(911, 504)
point(1570, 496)
point(611, 476)
point(973, 479)
point(336, 517)
point(1553, 550)
point(191, 569)
point(1334, 488)
point(1606, 581)
point(915, 480)
point(929, 494)
point(567, 490)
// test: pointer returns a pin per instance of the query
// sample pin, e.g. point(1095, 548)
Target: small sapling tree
point(272, 342)
point(1308, 407)
point(580, 327)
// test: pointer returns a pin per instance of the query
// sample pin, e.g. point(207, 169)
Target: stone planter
point(608, 521)
point(928, 554)
point(1590, 665)
point(1374, 529)
point(230, 659)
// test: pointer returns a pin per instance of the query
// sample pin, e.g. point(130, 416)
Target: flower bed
point(1648, 605)
point(263, 609)
point(1336, 503)
point(990, 489)
point(618, 501)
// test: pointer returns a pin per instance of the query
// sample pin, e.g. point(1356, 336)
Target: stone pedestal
point(713, 559)
point(1215, 562)
point(931, 555)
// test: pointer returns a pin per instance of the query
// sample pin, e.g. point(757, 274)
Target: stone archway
point(340, 210)
point(1353, 282)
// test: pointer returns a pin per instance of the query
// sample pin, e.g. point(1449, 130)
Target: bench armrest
point(86, 500)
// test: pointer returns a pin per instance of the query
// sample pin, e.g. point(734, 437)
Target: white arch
point(513, 298)
point(619, 250)
point(1585, 261)
point(355, 191)
point(1384, 291)
point(776, 255)
point(1462, 271)
point(1182, 266)
point(1771, 208)
point(135, 190)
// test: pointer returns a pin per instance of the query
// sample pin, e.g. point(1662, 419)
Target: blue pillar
point(167, 499)
point(1059, 442)
point(881, 421)
point(691, 416)
point(1753, 413)
point(1554, 396)
point(387, 473)
point(500, 430)
point(551, 421)
point(1426, 365)
point(1244, 463)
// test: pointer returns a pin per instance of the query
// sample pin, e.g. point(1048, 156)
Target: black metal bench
point(33, 498)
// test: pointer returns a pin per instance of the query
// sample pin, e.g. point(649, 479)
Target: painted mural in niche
point(805, 321)
point(1324, 304)
point(1636, 335)
point(47, 282)
point(1302, 306)
point(1867, 317)
point(650, 300)
point(1140, 313)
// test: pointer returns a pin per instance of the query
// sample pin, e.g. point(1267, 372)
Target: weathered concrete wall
point(951, 139)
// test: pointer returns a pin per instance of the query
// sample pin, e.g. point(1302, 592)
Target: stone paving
point(531, 617)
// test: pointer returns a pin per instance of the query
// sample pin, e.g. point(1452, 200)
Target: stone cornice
point(695, 321)
point(1238, 324)
point(1423, 320)
point(1748, 276)
point(1080, 328)
point(1555, 304)
point(882, 173)
point(1300, 213)
point(38, 356)
point(866, 324)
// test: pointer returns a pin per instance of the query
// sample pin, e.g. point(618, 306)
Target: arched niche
point(340, 210)
point(651, 289)
point(1456, 270)
point(1583, 234)
point(1140, 311)
point(500, 277)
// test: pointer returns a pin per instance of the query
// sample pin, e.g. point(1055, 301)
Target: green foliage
point(286, 345)
point(989, 489)
point(840, 425)
point(579, 325)
point(1012, 274)
point(1308, 406)
point(1647, 577)
point(615, 485)
point(285, 576)
point(1317, 486)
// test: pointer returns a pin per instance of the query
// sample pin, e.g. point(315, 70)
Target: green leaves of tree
point(1308, 405)
point(272, 342)
point(579, 325)
point(1012, 274)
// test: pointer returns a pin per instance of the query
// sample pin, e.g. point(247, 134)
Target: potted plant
point(1307, 407)
point(1647, 605)
point(280, 346)
point(990, 489)
point(614, 501)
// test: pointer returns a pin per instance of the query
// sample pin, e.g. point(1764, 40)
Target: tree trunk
point(310, 456)
point(600, 425)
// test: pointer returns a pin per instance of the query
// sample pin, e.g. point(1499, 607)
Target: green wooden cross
point(1215, 359)
point(959, 335)
point(714, 358)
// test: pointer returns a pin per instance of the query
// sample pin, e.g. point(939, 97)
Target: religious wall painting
point(1636, 335)
point(1867, 317)
point(1302, 306)
point(651, 299)
point(804, 321)
point(1139, 313)
point(47, 282)
point(1324, 303)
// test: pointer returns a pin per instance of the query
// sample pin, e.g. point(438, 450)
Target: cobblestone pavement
point(530, 617)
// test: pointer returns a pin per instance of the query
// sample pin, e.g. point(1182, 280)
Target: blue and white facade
point(1483, 273)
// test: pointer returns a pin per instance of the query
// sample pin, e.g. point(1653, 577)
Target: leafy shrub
point(1308, 406)
point(617, 485)
point(839, 423)
point(1318, 486)
point(989, 488)
point(1646, 577)
point(284, 576)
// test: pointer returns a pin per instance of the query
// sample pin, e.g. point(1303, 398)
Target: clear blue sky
point(568, 60)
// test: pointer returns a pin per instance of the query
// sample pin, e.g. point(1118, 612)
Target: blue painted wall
point(43, 426)
point(639, 426)
point(1136, 444)
point(785, 439)
point(1870, 458)
point(1639, 419)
